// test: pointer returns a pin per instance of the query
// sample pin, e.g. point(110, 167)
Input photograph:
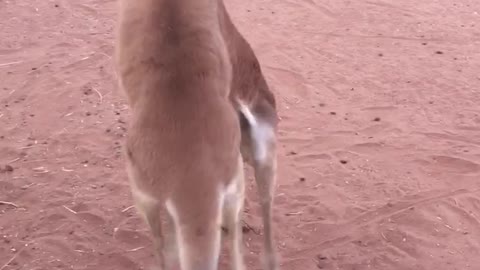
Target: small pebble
point(7, 168)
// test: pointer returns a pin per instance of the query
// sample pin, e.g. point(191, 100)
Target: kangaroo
point(200, 107)
point(252, 98)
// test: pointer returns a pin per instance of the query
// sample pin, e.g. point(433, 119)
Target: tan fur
point(186, 70)
point(250, 87)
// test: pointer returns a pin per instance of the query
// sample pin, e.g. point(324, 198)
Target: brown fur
point(177, 61)
point(250, 86)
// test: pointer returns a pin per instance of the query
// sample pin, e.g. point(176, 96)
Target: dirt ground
point(379, 161)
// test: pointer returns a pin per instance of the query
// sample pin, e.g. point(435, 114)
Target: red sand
point(380, 135)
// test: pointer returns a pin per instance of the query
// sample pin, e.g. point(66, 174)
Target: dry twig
point(128, 208)
point(70, 210)
point(135, 249)
point(99, 94)
point(10, 63)
point(15, 256)
point(8, 203)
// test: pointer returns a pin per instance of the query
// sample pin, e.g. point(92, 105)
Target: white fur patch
point(183, 250)
point(247, 113)
point(261, 132)
point(172, 211)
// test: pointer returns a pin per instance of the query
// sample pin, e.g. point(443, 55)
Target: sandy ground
point(380, 135)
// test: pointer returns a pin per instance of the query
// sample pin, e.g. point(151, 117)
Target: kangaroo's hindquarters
point(198, 236)
point(193, 238)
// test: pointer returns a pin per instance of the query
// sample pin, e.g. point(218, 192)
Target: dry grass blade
point(8, 203)
point(10, 63)
point(15, 256)
point(9, 261)
point(70, 210)
point(135, 249)
point(67, 170)
point(128, 208)
point(13, 160)
point(99, 94)
point(247, 227)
